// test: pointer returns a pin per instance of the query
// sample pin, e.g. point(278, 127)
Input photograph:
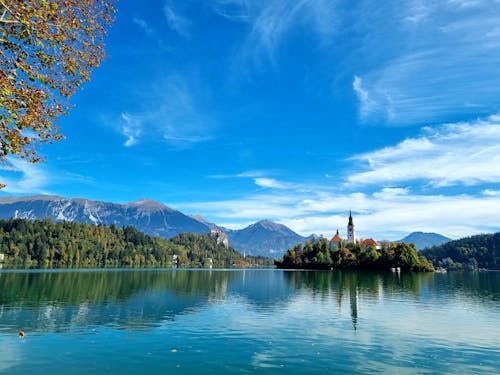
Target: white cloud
point(451, 154)
point(454, 154)
point(252, 174)
point(131, 129)
point(176, 21)
point(22, 177)
point(491, 193)
point(385, 214)
point(143, 25)
point(269, 183)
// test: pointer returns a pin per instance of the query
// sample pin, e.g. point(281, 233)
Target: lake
point(177, 321)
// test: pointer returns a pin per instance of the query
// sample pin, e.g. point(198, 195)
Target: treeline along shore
point(46, 244)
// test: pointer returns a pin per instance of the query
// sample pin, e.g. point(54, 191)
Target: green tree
point(406, 256)
point(47, 49)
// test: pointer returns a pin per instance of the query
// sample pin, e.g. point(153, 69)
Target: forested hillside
point(45, 244)
point(481, 251)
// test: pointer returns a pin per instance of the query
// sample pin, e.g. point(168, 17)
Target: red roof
point(370, 242)
point(336, 238)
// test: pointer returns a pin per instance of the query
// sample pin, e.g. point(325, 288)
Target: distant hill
point(481, 251)
point(264, 238)
point(423, 240)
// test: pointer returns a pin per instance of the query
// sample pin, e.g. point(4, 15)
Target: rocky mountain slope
point(147, 216)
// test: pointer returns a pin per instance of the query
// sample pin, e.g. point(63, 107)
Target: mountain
point(153, 218)
point(147, 216)
point(423, 240)
point(204, 221)
point(264, 238)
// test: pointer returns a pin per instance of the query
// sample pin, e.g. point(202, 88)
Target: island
point(352, 253)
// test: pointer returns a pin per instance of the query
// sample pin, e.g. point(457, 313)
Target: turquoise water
point(248, 321)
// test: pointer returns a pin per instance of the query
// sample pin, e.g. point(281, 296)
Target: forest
point(480, 251)
point(47, 244)
point(316, 254)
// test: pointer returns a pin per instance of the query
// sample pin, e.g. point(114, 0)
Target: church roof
point(370, 242)
point(336, 238)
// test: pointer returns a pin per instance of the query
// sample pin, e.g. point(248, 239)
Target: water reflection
point(376, 286)
point(73, 300)
point(248, 321)
point(55, 301)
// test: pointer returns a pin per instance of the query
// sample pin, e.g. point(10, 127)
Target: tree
point(47, 49)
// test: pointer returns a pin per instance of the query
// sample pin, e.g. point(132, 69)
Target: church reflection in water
point(351, 286)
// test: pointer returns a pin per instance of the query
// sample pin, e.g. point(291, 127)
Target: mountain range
point(150, 217)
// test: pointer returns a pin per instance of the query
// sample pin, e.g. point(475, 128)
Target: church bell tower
point(351, 238)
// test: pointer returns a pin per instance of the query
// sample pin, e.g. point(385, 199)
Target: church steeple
point(351, 238)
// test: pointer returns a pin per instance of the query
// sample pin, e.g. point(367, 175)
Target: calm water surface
point(248, 321)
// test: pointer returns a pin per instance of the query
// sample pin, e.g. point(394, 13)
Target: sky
point(296, 111)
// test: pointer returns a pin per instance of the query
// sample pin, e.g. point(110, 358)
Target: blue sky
point(296, 111)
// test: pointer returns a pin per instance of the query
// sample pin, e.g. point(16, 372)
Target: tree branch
point(7, 9)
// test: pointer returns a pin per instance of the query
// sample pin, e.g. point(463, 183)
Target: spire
point(351, 238)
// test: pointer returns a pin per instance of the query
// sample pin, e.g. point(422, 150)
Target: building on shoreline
point(336, 242)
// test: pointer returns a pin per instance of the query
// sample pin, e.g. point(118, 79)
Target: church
point(337, 241)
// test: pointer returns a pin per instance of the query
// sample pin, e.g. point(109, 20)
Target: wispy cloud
point(259, 178)
point(273, 22)
point(170, 112)
point(233, 10)
point(131, 129)
point(269, 183)
point(144, 26)
point(367, 105)
point(454, 154)
point(434, 73)
point(178, 23)
point(22, 177)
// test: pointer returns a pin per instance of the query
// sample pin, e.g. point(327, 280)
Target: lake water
point(248, 321)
